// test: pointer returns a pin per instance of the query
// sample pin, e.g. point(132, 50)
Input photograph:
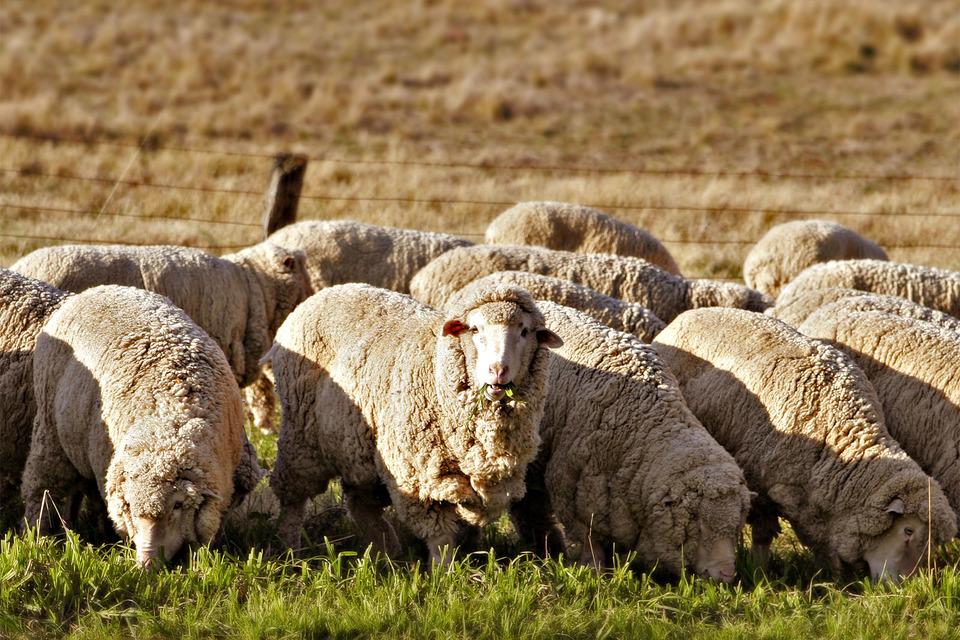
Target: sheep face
point(716, 555)
point(502, 339)
point(171, 528)
point(899, 550)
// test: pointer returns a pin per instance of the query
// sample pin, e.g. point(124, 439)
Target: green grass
point(67, 588)
point(71, 588)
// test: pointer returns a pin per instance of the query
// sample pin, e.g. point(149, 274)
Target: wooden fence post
point(283, 192)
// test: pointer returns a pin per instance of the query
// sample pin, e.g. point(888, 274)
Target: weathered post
point(283, 192)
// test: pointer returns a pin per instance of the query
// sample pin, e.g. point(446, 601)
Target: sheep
point(628, 317)
point(341, 251)
point(915, 368)
point(624, 463)
point(805, 425)
point(441, 410)
point(624, 277)
point(571, 227)
point(25, 304)
point(137, 406)
point(935, 288)
point(240, 299)
point(798, 308)
point(787, 249)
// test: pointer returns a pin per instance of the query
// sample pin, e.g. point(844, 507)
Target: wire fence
point(13, 203)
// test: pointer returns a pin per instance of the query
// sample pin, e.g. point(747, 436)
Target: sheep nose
point(499, 373)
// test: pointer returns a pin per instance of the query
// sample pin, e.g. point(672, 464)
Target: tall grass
point(54, 588)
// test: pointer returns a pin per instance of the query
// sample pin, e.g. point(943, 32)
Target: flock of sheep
point(565, 372)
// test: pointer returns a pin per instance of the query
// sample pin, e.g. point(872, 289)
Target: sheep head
point(891, 532)
point(501, 336)
point(493, 347)
point(177, 524)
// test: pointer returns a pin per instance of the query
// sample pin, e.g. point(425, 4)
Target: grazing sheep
point(341, 251)
point(935, 288)
point(25, 304)
point(240, 299)
point(572, 227)
point(441, 410)
point(799, 307)
point(915, 368)
point(623, 462)
point(805, 425)
point(136, 405)
point(628, 317)
point(787, 249)
point(623, 277)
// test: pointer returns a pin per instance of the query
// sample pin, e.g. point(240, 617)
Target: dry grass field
point(704, 122)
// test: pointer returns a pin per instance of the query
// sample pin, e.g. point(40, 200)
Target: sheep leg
point(593, 554)
point(49, 481)
point(441, 549)
point(290, 523)
point(366, 509)
point(535, 522)
point(765, 528)
point(260, 401)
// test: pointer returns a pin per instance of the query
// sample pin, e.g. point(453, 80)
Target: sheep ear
point(895, 507)
point(207, 493)
point(453, 327)
point(549, 339)
point(289, 263)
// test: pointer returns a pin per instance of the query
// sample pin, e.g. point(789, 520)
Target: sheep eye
point(177, 505)
point(908, 531)
point(523, 333)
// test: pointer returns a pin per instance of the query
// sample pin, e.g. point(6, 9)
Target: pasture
point(705, 123)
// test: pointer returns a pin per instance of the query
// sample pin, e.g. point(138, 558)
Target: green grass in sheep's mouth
point(510, 393)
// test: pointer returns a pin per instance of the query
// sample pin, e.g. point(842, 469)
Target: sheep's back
point(342, 251)
point(570, 227)
point(935, 288)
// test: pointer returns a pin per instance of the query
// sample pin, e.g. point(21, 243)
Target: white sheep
point(623, 462)
point(915, 368)
point(805, 425)
point(798, 308)
point(621, 315)
point(935, 288)
point(379, 391)
point(25, 304)
point(239, 299)
point(138, 406)
point(787, 249)
point(572, 227)
point(624, 277)
point(341, 251)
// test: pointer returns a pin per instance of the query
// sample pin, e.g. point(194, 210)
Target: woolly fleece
point(341, 251)
point(624, 277)
point(25, 304)
point(915, 368)
point(133, 396)
point(935, 288)
point(805, 425)
point(628, 317)
point(787, 249)
point(571, 227)
point(623, 459)
point(799, 307)
point(373, 393)
point(240, 299)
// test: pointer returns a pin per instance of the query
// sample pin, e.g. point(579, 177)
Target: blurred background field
point(703, 122)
